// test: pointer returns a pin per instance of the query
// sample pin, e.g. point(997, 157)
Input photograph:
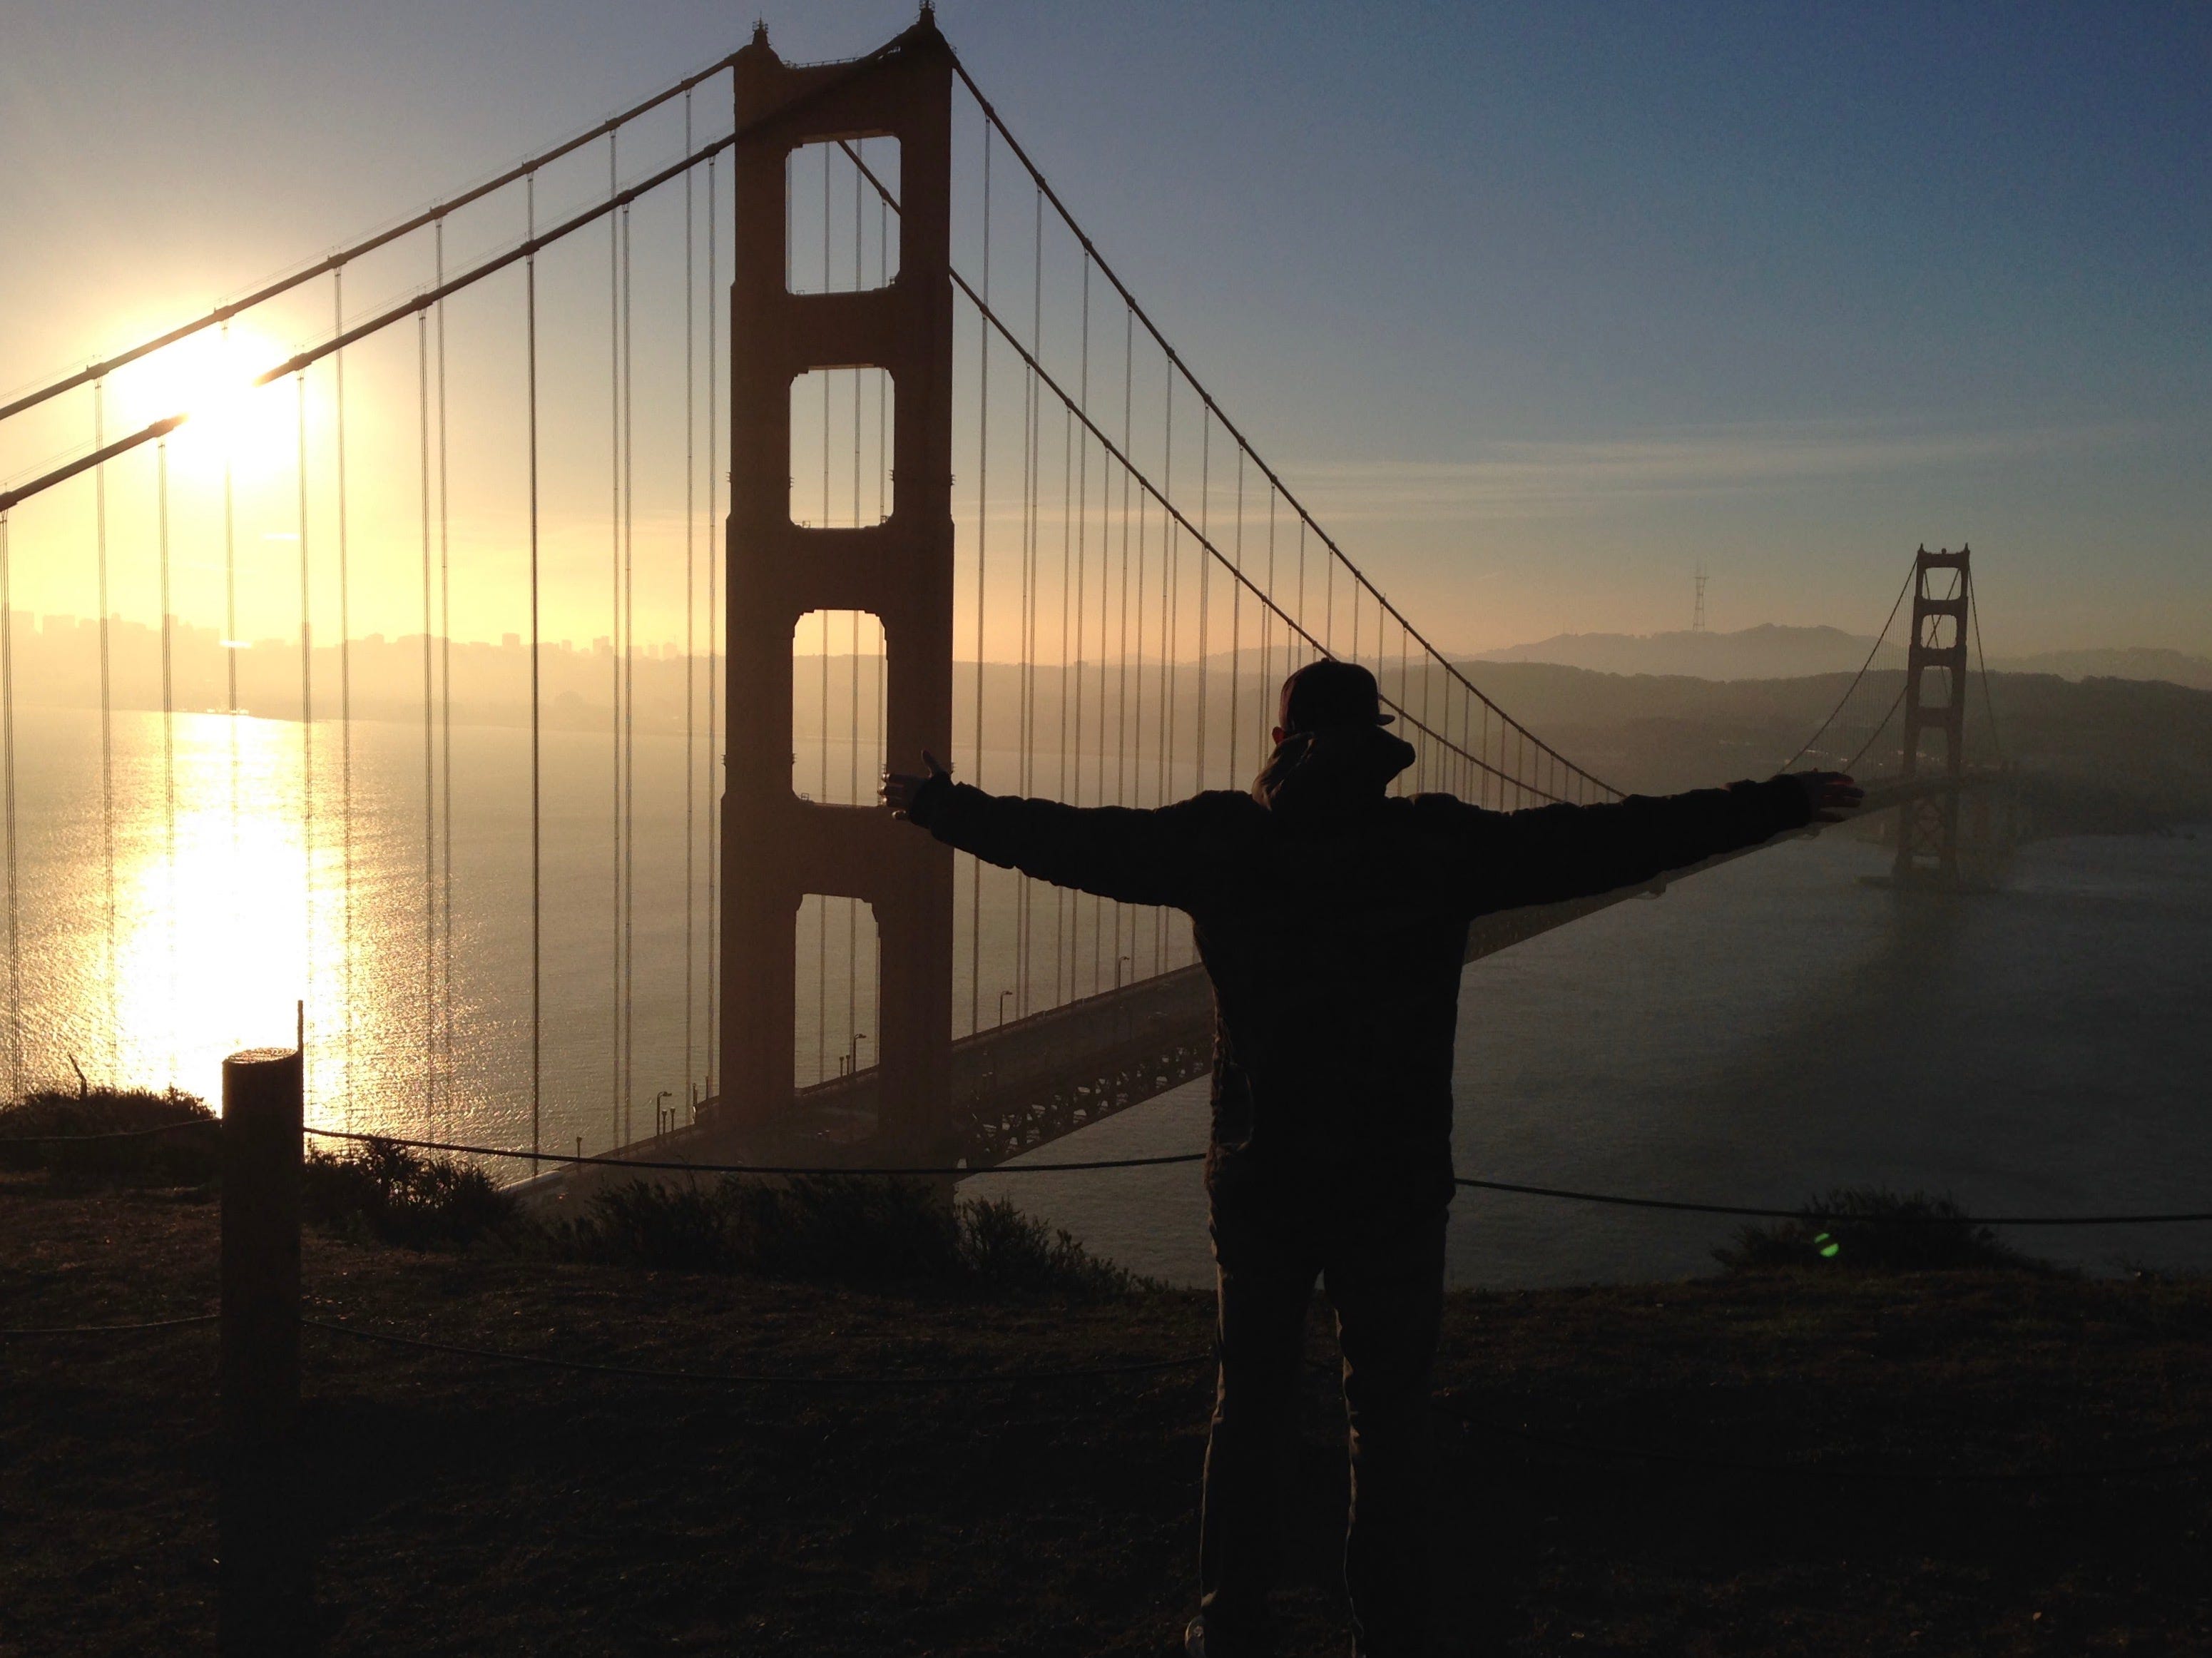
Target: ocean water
point(1759, 1034)
point(1777, 1027)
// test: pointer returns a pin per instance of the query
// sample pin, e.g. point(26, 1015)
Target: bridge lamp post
point(1119, 963)
point(1002, 1005)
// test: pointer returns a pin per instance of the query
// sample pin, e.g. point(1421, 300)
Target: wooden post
point(262, 1584)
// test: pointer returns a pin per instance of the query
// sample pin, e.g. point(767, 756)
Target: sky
point(1541, 307)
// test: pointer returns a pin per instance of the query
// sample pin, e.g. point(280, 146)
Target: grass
point(1867, 1230)
point(1628, 1470)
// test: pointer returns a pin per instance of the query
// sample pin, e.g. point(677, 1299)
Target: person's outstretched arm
point(1138, 856)
point(1549, 853)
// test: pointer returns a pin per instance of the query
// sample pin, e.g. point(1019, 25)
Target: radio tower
point(1698, 615)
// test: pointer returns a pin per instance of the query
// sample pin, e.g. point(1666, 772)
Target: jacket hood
point(1330, 773)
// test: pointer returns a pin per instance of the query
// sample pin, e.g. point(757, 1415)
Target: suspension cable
point(169, 731)
point(993, 120)
point(1873, 651)
point(524, 170)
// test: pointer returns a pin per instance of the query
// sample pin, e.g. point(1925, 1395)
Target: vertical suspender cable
point(345, 669)
point(1170, 638)
point(8, 812)
point(1205, 572)
point(1236, 620)
point(629, 702)
point(614, 643)
point(1059, 957)
point(537, 822)
point(982, 527)
point(169, 725)
point(1082, 548)
point(231, 646)
point(1122, 731)
point(690, 570)
point(429, 744)
point(307, 727)
point(445, 712)
point(853, 742)
point(714, 654)
point(822, 901)
point(107, 721)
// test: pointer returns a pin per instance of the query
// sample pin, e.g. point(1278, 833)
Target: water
point(1774, 1028)
point(1763, 1032)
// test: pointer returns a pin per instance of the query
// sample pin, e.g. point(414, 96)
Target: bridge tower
point(778, 847)
point(1927, 827)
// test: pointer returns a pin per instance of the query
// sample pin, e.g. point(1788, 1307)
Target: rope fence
point(1083, 1165)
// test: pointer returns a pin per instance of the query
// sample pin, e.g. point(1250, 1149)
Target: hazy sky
point(1541, 305)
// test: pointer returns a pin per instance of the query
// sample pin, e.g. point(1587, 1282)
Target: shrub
point(184, 1156)
point(387, 1192)
point(1869, 1230)
point(850, 1230)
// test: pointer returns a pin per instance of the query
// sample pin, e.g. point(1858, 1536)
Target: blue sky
point(1541, 305)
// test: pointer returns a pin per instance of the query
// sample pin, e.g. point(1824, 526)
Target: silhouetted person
point(1332, 920)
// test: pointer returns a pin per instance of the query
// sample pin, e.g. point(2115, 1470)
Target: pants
point(1383, 1270)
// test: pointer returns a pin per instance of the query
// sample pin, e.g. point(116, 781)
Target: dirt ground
point(1762, 1464)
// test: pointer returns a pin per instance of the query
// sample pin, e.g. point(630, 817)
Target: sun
point(209, 378)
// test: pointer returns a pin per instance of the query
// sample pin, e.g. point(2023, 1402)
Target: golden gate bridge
point(971, 499)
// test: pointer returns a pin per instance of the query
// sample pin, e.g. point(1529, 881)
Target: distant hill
point(1767, 652)
point(1771, 652)
point(2128, 662)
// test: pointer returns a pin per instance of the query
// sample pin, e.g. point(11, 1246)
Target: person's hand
point(1831, 794)
point(901, 788)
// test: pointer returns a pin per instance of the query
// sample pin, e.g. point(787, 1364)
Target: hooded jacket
point(1333, 919)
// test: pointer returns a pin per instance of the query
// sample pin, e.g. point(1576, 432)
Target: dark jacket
point(1332, 920)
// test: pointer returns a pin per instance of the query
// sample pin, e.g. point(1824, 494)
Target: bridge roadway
point(1021, 1086)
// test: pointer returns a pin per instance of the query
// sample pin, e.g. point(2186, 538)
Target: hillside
point(2096, 754)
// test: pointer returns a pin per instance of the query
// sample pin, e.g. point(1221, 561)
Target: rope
point(7, 1140)
point(1831, 1215)
point(961, 1171)
point(1872, 652)
point(112, 1329)
point(952, 1379)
